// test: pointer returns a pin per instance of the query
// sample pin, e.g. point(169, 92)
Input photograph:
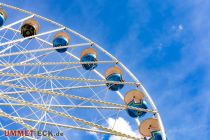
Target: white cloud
point(121, 125)
point(180, 27)
point(95, 134)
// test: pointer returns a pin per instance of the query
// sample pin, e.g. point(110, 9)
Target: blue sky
point(164, 43)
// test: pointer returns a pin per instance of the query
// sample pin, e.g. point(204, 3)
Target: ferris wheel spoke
point(21, 122)
point(52, 121)
point(28, 89)
point(68, 116)
point(70, 100)
point(101, 114)
point(2, 36)
point(17, 120)
point(79, 87)
point(51, 118)
point(23, 39)
point(44, 49)
point(68, 106)
point(42, 40)
point(55, 116)
point(66, 126)
point(63, 109)
point(16, 22)
point(65, 78)
point(29, 107)
point(55, 63)
point(29, 94)
point(3, 129)
point(116, 106)
point(41, 80)
point(19, 95)
point(34, 58)
point(28, 115)
point(87, 107)
point(81, 102)
point(69, 126)
point(54, 89)
point(28, 60)
point(101, 76)
point(50, 72)
point(29, 81)
point(9, 46)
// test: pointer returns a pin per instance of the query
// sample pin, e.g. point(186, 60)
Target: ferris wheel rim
point(141, 87)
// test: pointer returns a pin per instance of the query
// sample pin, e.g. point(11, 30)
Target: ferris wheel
point(53, 78)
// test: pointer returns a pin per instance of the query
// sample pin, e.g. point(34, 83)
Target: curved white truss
point(102, 82)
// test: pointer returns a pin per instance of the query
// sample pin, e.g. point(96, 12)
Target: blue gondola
point(135, 98)
point(89, 58)
point(61, 39)
point(114, 74)
point(156, 135)
point(150, 129)
point(89, 55)
point(3, 17)
point(136, 113)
